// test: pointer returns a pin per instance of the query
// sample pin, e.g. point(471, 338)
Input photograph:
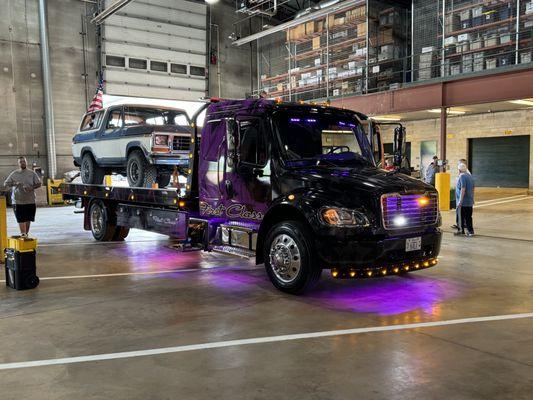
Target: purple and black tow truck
point(297, 186)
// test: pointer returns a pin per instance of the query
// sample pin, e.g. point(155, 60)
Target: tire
point(102, 226)
point(289, 246)
point(163, 180)
point(31, 282)
point(139, 171)
point(91, 173)
point(121, 233)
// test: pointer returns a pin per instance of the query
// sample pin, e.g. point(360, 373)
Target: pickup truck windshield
point(308, 139)
point(154, 116)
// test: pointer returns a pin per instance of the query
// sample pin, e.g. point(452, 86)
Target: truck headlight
point(343, 217)
point(161, 140)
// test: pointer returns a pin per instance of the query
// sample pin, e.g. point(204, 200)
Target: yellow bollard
point(108, 181)
point(442, 184)
point(3, 227)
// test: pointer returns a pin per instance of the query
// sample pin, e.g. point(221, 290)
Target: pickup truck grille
point(401, 211)
point(181, 143)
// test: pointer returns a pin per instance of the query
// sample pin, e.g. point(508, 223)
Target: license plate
point(413, 244)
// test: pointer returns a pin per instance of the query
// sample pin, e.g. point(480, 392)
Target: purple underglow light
point(351, 125)
point(342, 123)
point(295, 120)
point(388, 296)
point(310, 120)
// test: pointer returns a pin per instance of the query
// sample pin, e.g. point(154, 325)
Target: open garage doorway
point(500, 161)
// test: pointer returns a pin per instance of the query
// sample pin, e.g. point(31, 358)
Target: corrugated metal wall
point(157, 49)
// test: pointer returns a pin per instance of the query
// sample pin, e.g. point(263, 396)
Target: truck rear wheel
point(91, 173)
point(139, 171)
point(290, 261)
point(102, 227)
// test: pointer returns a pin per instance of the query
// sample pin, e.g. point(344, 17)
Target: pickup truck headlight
point(343, 217)
point(161, 140)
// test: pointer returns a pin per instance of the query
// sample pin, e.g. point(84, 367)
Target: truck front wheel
point(139, 171)
point(90, 172)
point(290, 261)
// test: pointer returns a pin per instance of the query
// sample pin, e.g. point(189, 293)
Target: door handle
point(229, 188)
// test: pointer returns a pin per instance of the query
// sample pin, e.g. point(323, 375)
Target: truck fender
point(136, 144)
point(284, 210)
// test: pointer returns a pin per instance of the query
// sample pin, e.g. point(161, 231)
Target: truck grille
point(181, 143)
point(401, 211)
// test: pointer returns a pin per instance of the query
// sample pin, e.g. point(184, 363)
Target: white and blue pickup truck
point(146, 143)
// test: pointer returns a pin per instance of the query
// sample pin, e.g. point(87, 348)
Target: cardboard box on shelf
point(450, 40)
point(429, 49)
point(477, 11)
point(468, 68)
point(452, 23)
point(386, 36)
point(361, 29)
point(525, 57)
point(340, 34)
point(316, 43)
point(529, 8)
point(462, 47)
point(455, 70)
point(479, 66)
point(336, 92)
point(477, 44)
point(491, 40)
point(331, 20)
point(464, 37)
point(310, 27)
point(317, 62)
point(505, 38)
point(465, 14)
point(491, 63)
point(339, 21)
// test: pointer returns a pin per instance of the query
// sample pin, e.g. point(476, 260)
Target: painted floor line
point(258, 340)
point(501, 198)
point(171, 271)
point(502, 202)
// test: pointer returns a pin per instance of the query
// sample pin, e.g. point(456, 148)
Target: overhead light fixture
point(524, 102)
point(450, 111)
point(386, 118)
point(211, 1)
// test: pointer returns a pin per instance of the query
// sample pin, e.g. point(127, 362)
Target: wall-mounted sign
point(508, 132)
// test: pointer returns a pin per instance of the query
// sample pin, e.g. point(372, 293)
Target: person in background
point(464, 197)
point(389, 166)
point(457, 225)
point(431, 170)
point(23, 183)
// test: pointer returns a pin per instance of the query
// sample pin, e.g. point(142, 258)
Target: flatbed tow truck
point(294, 185)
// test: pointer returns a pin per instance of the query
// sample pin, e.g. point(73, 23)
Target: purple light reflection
point(388, 296)
point(295, 120)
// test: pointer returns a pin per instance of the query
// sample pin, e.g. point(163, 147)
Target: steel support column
point(443, 132)
point(47, 92)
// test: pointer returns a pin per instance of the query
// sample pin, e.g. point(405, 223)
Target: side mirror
point(399, 145)
point(374, 134)
point(232, 142)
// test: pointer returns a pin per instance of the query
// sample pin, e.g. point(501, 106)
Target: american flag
point(97, 102)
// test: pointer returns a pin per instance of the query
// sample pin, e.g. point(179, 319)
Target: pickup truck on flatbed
point(294, 185)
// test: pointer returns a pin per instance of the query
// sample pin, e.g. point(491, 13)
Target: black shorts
point(24, 212)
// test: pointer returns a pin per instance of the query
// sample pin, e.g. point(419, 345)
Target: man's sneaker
point(470, 234)
point(24, 235)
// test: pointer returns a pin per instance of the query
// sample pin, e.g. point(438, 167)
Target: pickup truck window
point(115, 120)
point(253, 148)
point(154, 116)
point(310, 138)
point(92, 121)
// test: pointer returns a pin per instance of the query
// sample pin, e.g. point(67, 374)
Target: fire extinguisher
point(213, 57)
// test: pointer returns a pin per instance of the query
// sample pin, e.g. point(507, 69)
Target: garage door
point(500, 161)
point(157, 49)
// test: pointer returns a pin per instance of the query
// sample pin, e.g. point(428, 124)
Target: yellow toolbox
point(55, 197)
point(21, 244)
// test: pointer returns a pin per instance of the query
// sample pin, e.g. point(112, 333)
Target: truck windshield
point(154, 116)
point(308, 139)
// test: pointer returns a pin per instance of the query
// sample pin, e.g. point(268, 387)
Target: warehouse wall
point(236, 74)
point(462, 128)
point(21, 95)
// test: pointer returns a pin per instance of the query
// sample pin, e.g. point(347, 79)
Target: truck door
point(247, 185)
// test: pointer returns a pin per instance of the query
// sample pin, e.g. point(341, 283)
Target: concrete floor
point(138, 295)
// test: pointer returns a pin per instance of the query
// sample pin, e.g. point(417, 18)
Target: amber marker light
point(384, 271)
point(426, 263)
point(291, 197)
point(369, 273)
point(182, 203)
point(352, 274)
point(422, 201)
point(417, 266)
point(396, 270)
point(334, 273)
point(434, 261)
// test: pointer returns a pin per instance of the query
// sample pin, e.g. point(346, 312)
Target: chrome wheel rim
point(97, 219)
point(285, 259)
point(133, 172)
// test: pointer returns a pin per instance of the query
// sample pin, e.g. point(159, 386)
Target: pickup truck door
point(108, 148)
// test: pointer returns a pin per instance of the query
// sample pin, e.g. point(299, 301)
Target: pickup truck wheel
point(139, 171)
point(90, 172)
point(290, 261)
point(101, 227)
point(163, 180)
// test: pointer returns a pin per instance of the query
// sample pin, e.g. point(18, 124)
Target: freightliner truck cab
point(298, 185)
point(294, 185)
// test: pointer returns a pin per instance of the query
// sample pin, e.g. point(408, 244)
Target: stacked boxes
point(465, 19)
point(479, 61)
point(426, 64)
point(491, 63)
point(477, 16)
point(525, 57)
point(468, 63)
